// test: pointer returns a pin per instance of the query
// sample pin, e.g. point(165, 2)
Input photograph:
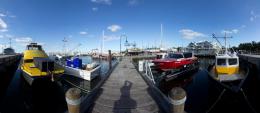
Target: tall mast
point(64, 45)
point(102, 46)
point(225, 43)
point(161, 35)
point(10, 42)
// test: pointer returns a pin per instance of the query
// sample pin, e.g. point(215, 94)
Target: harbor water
point(48, 97)
point(44, 96)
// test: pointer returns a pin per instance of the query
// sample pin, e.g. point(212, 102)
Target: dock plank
point(125, 91)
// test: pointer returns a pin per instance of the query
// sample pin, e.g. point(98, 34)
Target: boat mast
point(10, 42)
point(102, 45)
point(64, 45)
point(225, 38)
point(161, 35)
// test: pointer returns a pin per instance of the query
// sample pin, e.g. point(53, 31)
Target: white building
point(203, 48)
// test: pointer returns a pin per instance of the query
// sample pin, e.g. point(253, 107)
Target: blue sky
point(82, 22)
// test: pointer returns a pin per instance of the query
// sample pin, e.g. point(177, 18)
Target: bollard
point(73, 100)
point(177, 97)
point(110, 59)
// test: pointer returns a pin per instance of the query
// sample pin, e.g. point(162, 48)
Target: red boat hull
point(171, 64)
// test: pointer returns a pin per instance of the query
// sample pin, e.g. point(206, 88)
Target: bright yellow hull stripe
point(227, 70)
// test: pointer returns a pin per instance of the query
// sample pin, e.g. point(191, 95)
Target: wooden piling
point(177, 97)
point(73, 100)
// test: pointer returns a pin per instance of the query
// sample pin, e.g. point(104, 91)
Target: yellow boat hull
point(227, 70)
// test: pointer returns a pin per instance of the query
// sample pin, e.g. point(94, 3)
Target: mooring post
point(177, 98)
point(73, 100)
point(110, 59)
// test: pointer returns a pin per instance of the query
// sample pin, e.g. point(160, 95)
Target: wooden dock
point(125, 91)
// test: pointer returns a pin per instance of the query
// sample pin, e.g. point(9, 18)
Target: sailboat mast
point(102, 47)
point(225, 43)
point(161, 35)
point(10, 42)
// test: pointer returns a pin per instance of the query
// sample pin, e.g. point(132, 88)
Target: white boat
point(88, 73)
point(84, 71)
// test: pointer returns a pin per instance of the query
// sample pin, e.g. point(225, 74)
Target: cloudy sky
point(83, 21)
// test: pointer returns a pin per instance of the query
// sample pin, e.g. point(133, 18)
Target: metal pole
point(120, 46)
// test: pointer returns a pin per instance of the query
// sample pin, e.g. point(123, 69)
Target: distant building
point(203, 48)
point(9, 51)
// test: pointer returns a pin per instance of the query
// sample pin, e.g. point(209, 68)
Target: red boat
point(175, 62)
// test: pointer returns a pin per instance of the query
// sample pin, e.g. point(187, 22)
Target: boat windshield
point(176, 56)
point(28, 61)
point(221, 62)
point(232, 61)
point(187, 55)
point(34, 47)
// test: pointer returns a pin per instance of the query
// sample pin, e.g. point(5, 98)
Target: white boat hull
point(83, 74)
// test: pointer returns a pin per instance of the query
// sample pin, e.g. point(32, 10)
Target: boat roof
point(226, 56)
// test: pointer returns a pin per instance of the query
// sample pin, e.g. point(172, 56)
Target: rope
point(247, 101)
point(214, 104)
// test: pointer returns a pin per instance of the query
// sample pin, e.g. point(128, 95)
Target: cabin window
point(232, 61)
point(28, 61)
point(177, 56)
point(187, 55)
point(221, 62)
point(159, 56)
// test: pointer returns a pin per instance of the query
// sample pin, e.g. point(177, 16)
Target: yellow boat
point(36, 64)
point(227, 71)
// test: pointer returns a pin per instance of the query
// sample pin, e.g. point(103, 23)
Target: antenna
point(225, 38)
point(10, 42)
point(64, 45)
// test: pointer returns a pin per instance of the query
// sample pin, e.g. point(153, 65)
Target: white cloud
point(226, 31)
point(106, 2)
point(2, 15)
point(233, 31)
point(114, 28)
point(83, 33)
point(1, 36)
point(242, 26)
point(3, 26)
point(94, 9)
point(23, 40)
point(3, 30)
point(133, 2)
point(111, 38)
point(190, 34)
point(253, 16)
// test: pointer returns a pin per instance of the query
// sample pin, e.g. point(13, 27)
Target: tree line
point(252, 47)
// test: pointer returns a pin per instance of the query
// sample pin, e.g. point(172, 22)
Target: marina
point(129, 56)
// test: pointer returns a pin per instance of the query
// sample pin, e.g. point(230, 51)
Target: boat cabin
point(161, 55)
point(227, 64)
point(34, 46)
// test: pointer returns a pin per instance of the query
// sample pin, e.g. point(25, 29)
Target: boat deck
point(125, 91)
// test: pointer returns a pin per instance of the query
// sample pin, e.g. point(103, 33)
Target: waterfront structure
point(203, 48)
point(9, 51)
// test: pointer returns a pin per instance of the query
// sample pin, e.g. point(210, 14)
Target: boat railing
point(148, 71)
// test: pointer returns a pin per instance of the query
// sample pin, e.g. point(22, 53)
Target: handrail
point(148, 71)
